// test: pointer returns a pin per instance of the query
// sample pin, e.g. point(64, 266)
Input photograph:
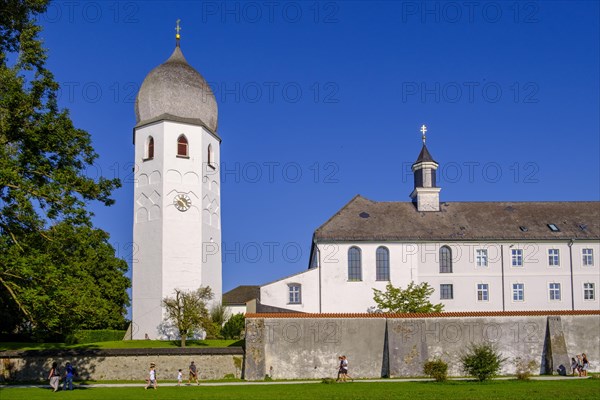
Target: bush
point(482, 361)
point(436, 369)
point(234, 326)
point(93, 336)
point(524, 368)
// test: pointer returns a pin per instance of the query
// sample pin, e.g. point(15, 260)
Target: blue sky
point(320, 101)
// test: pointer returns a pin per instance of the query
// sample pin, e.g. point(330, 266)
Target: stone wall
point(122, 364)
point(307, 346)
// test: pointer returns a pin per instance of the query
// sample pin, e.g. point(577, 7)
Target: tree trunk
point(183, 337)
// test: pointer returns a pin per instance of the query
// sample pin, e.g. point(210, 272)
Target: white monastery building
point(478, 256)
point(177, 216)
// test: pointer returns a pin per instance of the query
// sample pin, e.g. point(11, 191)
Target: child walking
point(179, 377)
point(151, 377)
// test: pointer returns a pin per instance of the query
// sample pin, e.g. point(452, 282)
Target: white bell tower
point(177, 205)
point(426, 194)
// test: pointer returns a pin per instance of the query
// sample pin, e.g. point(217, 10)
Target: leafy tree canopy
point(44, 193)
point(413, 299)
point(188, 311)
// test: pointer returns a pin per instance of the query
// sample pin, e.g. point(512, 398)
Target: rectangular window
point(517, 257)
point(589, 291)
point(482, 258)
point(446, 292)
point(518, 292)
point(553, 258)
point(295, 294)
point(482, 292)
point(588, 257)
point(554, 289)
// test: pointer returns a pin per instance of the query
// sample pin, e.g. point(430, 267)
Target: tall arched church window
point(354, 264)
point(182, 146)
point(150, 148)
point(445, 260)
point(382, 264)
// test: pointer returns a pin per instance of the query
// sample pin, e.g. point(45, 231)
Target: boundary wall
point(307, 346)
point(122, 364)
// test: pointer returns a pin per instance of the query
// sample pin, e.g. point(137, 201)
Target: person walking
point(585, 364)
point(69, 375)
point(193, 374)
point(54, 376)
point(340, 374)
point(151, 381)
point(345, 369)
point(179, 377)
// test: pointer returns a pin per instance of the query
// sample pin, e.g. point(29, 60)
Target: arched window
point(150, 148)
point(182, 146)
point(354, 264)
point(445, 260)
point(382, 264)
point(210, 155)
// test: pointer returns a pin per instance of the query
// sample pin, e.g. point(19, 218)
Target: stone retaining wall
point(122, 364)
point(307, 346)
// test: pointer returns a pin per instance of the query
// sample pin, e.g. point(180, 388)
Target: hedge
point(93, 336)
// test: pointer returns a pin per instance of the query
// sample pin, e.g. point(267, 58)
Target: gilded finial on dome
point(177, 29)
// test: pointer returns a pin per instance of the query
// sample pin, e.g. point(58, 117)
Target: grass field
point(531, 390)
point(120, 344)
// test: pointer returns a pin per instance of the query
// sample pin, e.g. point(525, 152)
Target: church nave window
point(182, 146)
point(445, 260)
point(354, 264)
point(382, 261)
point(149, 148)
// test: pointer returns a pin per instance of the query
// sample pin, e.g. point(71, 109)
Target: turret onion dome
point(176, 91)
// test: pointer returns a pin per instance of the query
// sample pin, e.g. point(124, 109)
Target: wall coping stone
point(122, 352)
point(473, 314)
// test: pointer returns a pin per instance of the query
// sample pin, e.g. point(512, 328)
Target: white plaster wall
point(237, 309)
point(420, 262)
point(173, 246)
point(277, 293)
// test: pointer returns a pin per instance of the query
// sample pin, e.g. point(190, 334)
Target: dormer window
point(182, 146)
point(553, 228)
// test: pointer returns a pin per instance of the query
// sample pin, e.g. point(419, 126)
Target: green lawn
point(533, 390)
point(120, 344)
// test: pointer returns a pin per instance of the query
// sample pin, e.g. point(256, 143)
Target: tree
point(43, 185)
point(188, 311)
point(413, 299)
point(234, 327)
point(482, 361)
point(218, 315)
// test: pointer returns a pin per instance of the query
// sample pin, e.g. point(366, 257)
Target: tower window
point(149, 148)
point(182, 146)
point(354, 264)
point(382, 261)
point(445, 260)
point(518, 292)
point(210, 156)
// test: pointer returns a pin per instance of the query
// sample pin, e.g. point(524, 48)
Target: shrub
point(234, 326)
point(482, 361)
point(437, 369)
point(524, 368)
point(93, 336)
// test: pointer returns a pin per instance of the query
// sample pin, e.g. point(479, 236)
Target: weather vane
point(423, 130)
point(177, 29)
